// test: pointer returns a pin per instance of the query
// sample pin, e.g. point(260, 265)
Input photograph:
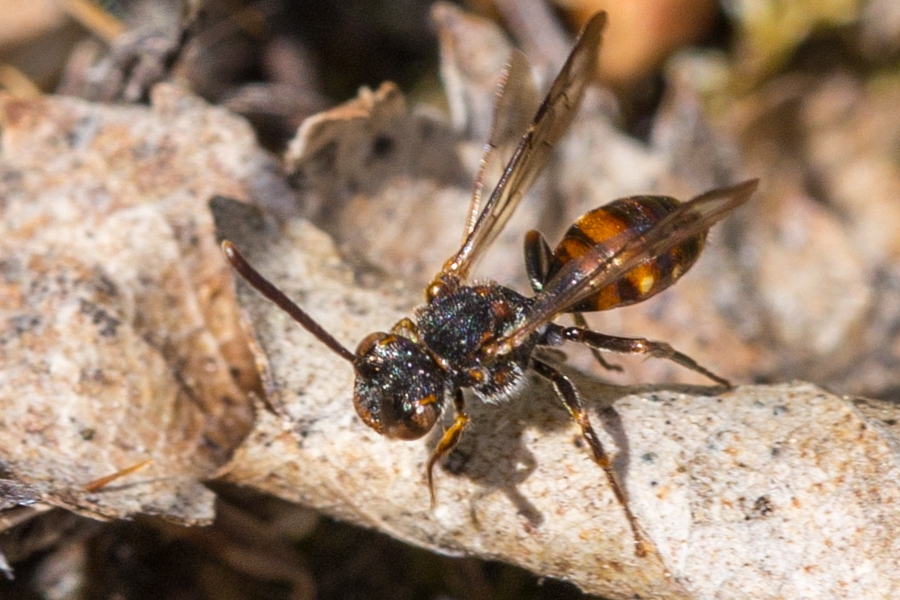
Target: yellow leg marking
point(447, 443)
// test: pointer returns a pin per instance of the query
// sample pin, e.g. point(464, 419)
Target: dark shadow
point(491, 451)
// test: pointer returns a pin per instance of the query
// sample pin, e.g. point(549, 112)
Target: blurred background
point(802, 94)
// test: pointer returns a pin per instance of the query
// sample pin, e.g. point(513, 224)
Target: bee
point(483, 336)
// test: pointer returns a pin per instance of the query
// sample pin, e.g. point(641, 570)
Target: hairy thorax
point(456, 325)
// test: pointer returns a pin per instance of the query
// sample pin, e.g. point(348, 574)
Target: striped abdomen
point(650, 277)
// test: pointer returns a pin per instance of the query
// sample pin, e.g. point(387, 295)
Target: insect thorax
point(456, 325)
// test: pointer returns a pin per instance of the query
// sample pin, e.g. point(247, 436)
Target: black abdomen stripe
point(638, 213)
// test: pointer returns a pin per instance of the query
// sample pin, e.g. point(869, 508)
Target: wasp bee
point(483, 336)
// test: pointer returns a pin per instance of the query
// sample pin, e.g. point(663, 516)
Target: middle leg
point(581, 323)
point(622, 345)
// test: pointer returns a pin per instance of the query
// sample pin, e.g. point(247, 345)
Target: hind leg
point(569, 396)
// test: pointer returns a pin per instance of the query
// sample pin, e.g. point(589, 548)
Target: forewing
point(531, 155)
point(607, 262)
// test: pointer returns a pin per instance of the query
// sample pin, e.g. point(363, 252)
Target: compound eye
point(399, 389)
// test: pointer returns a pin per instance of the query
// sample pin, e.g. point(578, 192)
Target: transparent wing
point(606, 263)
point(515, 100)
point(530, 156)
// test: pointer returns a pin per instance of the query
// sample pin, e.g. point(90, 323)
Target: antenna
point(268, 289)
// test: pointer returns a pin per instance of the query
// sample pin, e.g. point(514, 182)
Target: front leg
point(622, 345)
point(448, 440)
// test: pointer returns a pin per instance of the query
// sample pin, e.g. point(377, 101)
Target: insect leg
point(537, 265)
point(448, 440)
point(537, 259)
point(569, 396)
point(407, 328)
point(581, 323)
point(622, 345)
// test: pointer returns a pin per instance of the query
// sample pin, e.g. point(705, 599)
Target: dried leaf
point(120, 337)
point(718, 481)
point(474, 51)
point(360, 145)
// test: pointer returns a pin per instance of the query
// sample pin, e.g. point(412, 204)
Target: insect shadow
point(494, 452)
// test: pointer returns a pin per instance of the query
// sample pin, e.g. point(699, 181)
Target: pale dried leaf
point(473, 53)
point(731, 488)
point(360, 145)
point(120, 337)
